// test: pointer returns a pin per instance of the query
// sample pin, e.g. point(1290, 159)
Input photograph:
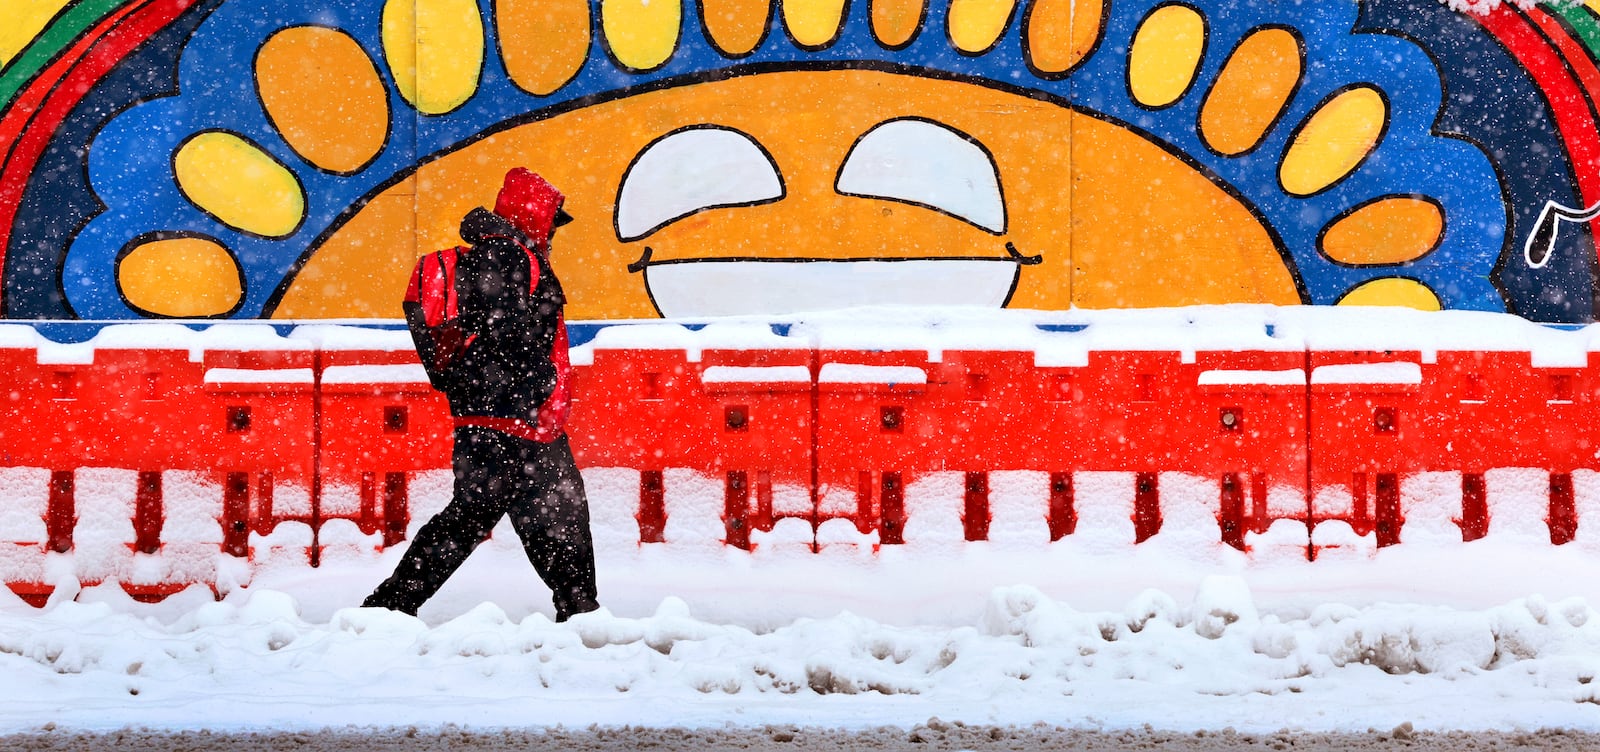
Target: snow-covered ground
point(1483, 636)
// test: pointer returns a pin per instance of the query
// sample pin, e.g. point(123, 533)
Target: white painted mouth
point(713, 287)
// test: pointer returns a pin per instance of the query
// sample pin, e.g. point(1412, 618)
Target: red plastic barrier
point(1467, 412)
point(309, 433)
point(1367, 418)
point(152, 409)
point(740, 415)
point(257, 421)
point(876, 431)
point(378, 422)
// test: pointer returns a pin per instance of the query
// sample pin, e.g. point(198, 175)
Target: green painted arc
point(1583, 22)
point(69, 24)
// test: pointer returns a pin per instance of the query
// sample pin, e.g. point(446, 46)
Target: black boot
point(389, 595)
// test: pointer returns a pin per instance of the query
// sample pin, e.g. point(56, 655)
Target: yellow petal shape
point(323, 94)
point(239, 184)
point(1334, 140)
point(814, 24)
point(181, 277)
point(1166, 54)
point(1060, 34)
point(895, 22)
point(975, 25)
point(736, 26)
point(1391, 230)
point(543, 43)
point(435, 51)
point(1252, 90)
point(1392, 291)
point(642, 34)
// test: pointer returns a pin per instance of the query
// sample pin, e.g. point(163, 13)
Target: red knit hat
point(532, 204)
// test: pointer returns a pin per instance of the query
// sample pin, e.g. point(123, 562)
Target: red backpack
point(433, 313)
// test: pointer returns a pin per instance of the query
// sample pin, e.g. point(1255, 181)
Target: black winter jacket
point(508, 370)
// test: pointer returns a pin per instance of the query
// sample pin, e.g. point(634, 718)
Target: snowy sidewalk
point(261, 660)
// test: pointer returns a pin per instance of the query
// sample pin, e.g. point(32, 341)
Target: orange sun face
point(782, 192)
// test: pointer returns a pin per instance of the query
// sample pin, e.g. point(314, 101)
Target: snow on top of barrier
point(1289, 377)
point(850, 373)
point(386, 335)
point(19, 336)
point(692, 338)
point(259, 376)
point(1057, 338)
point(755, 374)
point(1429, 332)
point(236, 336)
point(402, 373)
point(1368, 373)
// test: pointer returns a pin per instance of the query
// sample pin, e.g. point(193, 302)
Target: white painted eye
point(927, 164)
point(692, 170)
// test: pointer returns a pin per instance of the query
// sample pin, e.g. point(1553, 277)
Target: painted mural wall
point(263, 159)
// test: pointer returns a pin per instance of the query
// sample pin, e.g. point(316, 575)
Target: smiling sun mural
point(260, 159)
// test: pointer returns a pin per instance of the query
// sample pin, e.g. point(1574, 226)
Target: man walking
point(506, 374)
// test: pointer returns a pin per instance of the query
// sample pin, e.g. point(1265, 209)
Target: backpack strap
point(433, 286)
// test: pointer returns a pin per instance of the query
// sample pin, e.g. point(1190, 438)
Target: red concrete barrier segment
point(318, 428)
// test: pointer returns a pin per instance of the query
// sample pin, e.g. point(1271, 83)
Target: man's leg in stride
point(551, 515)
point(486, 466)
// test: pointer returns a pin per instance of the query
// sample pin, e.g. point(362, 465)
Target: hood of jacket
point(480, 224)
point(530, 203)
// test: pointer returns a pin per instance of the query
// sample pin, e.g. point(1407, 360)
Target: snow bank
point(1215, 659)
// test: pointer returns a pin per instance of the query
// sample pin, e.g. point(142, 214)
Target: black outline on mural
point(1005, 212)
point(7, 149)
point(1099, 38)
point(172, 172)
point(1199, 64)
point(1225, 186)
point(1594, 55)
point(1588, 53)
point(1386, 278)
point(1590, 261)
point(477, 81)
point(1444, 226)
point(1377, 142)
point(644, 262)
point(1012, 256)
point(711, 39)
point(1507, 242)
point(1094, 47)
point(345, 215)
point(1283, 109)
point(605, 44)
point(1011, 17)
point(388, 110)
point(59, 270)
point(160, 235)
point(783, 187)
point(1566, 65)
point(500, 51)
point(48, 62)
point(916, 29)
point(838, 28)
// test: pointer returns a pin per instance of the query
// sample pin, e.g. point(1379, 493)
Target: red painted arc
point(32, 119)
point(1567, 78)
point(1579, 63)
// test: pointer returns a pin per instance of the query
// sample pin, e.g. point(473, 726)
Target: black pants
point(538, 485)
